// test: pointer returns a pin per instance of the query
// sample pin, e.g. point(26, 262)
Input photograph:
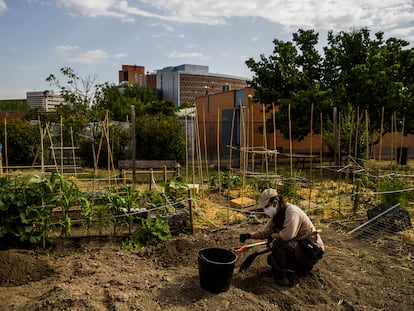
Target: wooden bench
point(301, 157)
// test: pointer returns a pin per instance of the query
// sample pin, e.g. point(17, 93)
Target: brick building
point(220, 117)
point(181, 84)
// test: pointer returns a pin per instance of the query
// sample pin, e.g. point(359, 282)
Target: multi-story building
point(45, 101)
point(183, 84)
point(133, 74)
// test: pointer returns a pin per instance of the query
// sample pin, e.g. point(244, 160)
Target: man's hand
point(244, 237)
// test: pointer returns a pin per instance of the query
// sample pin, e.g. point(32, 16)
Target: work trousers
point(289, 256)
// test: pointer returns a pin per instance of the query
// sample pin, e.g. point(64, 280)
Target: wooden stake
point(290, 142)
point(218, 149)
point(231, 138)
point(367, 133)
point(252, 140)
point(265, 141)
point(321, 151)
point(274, 135)
point(73, 150)
point(382, 130)
point(61, 144)
point(205, 142)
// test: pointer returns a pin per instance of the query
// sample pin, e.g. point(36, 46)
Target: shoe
point(282, 282)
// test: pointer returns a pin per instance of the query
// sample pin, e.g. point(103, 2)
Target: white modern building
point(45, 101)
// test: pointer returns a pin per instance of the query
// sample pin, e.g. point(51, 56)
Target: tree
point(291, 77)
point(159, 135)
point(356, 73)
point(160, 138)
point(77, 90)
point(370, 74)
point(23, 141)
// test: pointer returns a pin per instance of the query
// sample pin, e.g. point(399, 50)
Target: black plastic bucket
point(215, 267)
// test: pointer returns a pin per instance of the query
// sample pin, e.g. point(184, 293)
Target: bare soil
point(94, 273)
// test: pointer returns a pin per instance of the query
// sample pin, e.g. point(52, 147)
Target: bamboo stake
point(100, 147)
point(274, 135)
point(111, 165)
point(311, 143)
point(61, 144)
point(108, 151)
point(246, 138)
point(290, 143)
point(53, 147)
point(402, 137)
point(193, 149)
point(242, 171)
point(356, 141)
point(218, 150)
point(186, 145)
point(382, 130)
point(241, 144)
point(199, 155)
point(231, 138)
point(395, 136)
point(339, 139)
point(205, 142)
point(265, 140)
point(351, 131)
point(366, 133)
point(310, 162)
point(42, 151)
point(392, 139)
point(252, 140)
point(73, 150)
point(6, 147)
point(321, 151)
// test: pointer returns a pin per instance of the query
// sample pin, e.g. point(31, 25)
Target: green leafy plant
point(68, 195)
point(224, 181)
point(152, 231)
point(392, 190)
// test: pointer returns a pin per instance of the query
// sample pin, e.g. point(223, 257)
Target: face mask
point(270, 211)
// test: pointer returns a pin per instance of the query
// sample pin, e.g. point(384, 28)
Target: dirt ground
point(94, 273)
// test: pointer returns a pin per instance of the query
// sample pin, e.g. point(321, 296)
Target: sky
point(95, 37)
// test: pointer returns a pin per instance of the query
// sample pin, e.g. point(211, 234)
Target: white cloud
point(74, 55)
point(3, 6)
point(313, 13)
point(323, 15)
point(95, 8)
point(120, 55)
point(187, 55)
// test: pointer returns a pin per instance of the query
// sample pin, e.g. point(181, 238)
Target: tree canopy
point(353, 72)
point(92, 111)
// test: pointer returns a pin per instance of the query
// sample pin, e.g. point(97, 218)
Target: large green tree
point(23, 141)
point(355, 73)
point(290, 78)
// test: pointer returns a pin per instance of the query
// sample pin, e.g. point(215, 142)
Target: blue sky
point(95, 37)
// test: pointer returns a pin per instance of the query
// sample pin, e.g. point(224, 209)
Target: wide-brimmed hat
point(265, 196)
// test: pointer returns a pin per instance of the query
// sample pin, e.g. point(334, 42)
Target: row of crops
point(37, 209)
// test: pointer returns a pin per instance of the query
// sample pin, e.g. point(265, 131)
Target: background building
point(133, 74)
point(183, 84)
point(45, 101)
